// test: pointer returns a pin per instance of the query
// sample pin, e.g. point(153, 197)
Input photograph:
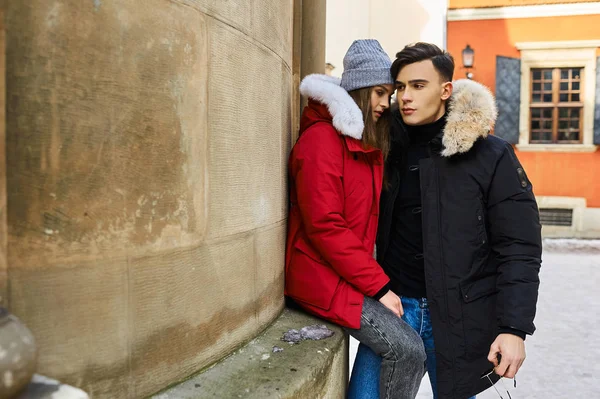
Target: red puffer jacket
point(335, 186)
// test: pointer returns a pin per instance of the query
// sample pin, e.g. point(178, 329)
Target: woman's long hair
point(376, 134)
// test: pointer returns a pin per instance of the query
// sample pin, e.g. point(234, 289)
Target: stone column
point(309, 42)
point(147, 200)
point(296, 70)
point(313, 36)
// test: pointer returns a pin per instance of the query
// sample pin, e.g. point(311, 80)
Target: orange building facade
point(542, 61)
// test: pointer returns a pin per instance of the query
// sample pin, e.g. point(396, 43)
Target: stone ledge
point(557, 147)
point(310, 369)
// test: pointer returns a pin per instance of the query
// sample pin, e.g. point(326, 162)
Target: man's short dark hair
point(442, 60)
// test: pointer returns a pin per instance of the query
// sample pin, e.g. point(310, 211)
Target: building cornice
point(557, 45)
point(533, 11)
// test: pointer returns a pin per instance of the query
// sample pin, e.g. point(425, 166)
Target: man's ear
point(447, 90)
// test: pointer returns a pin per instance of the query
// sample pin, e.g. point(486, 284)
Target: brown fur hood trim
point(471, 114)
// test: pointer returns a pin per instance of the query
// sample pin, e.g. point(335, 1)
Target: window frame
point(564, 54)
point(556, 105)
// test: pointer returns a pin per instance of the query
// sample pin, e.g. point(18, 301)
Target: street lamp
point(468, 56)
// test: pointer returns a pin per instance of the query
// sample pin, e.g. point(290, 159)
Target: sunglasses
point(488, 374)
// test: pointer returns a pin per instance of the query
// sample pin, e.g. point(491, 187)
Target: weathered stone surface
point(269, 247)
point(246, 165)
point(107, 128)
point(310, 369)
point(287, 136)
point(79, 318)
point(272, 26)
point(269, 22)
point(206, 307)
point(336, 382)
point(313, 30)
point(3, 229)
point(235, 13)
point(130, 327)
point(146, 187)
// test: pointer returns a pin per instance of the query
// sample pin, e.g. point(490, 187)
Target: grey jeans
point(398, 344)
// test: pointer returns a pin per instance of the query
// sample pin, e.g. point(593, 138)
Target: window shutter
point(597, 107)
point(508, 98)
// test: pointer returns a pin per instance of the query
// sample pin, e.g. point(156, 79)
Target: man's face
point(421, 93)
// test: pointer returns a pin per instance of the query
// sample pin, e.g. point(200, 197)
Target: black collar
point(403, 135)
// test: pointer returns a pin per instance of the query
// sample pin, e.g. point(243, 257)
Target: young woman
point(336, 176)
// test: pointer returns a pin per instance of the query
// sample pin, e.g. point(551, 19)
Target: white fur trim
point(347, 117)
point(471, 114)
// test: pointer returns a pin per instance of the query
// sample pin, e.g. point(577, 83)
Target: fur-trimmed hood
point(346, 116)
point(471, 114)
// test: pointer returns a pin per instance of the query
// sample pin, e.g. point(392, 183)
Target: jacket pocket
point(310, 279)
point(472, 290)
point(478, 315)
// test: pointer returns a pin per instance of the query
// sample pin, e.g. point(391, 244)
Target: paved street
point(563, 356)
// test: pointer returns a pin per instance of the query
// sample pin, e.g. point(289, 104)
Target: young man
point(459, 232)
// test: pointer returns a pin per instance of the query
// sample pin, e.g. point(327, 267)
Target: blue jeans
point(402, 363)
point(364, 383)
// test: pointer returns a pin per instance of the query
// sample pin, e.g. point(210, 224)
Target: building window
point(557, 100)
point(556, 106)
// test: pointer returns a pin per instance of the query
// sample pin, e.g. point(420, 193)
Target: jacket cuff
point(508, 330)
point(382, 292)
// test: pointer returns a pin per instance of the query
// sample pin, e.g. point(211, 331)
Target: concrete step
point(309, 369)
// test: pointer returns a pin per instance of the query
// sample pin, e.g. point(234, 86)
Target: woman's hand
point(393, 303)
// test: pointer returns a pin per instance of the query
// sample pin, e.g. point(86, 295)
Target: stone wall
point(146, 149)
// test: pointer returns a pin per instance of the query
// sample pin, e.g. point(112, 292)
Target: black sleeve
point(516, 243)
point(518, 333)
point(382, 292)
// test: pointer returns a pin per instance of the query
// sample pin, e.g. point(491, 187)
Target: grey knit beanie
point(365, 65)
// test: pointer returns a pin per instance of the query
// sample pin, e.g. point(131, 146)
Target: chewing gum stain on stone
point(315, 332)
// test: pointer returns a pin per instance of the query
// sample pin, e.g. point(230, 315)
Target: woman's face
point(380, 100)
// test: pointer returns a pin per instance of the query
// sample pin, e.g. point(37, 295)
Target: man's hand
point(512, 349)
point(393, 303)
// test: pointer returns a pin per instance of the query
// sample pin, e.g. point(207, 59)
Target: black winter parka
point(481, 237)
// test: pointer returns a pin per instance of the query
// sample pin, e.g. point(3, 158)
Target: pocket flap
point(472, 290)
point(310, 279)
point(304, 247)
